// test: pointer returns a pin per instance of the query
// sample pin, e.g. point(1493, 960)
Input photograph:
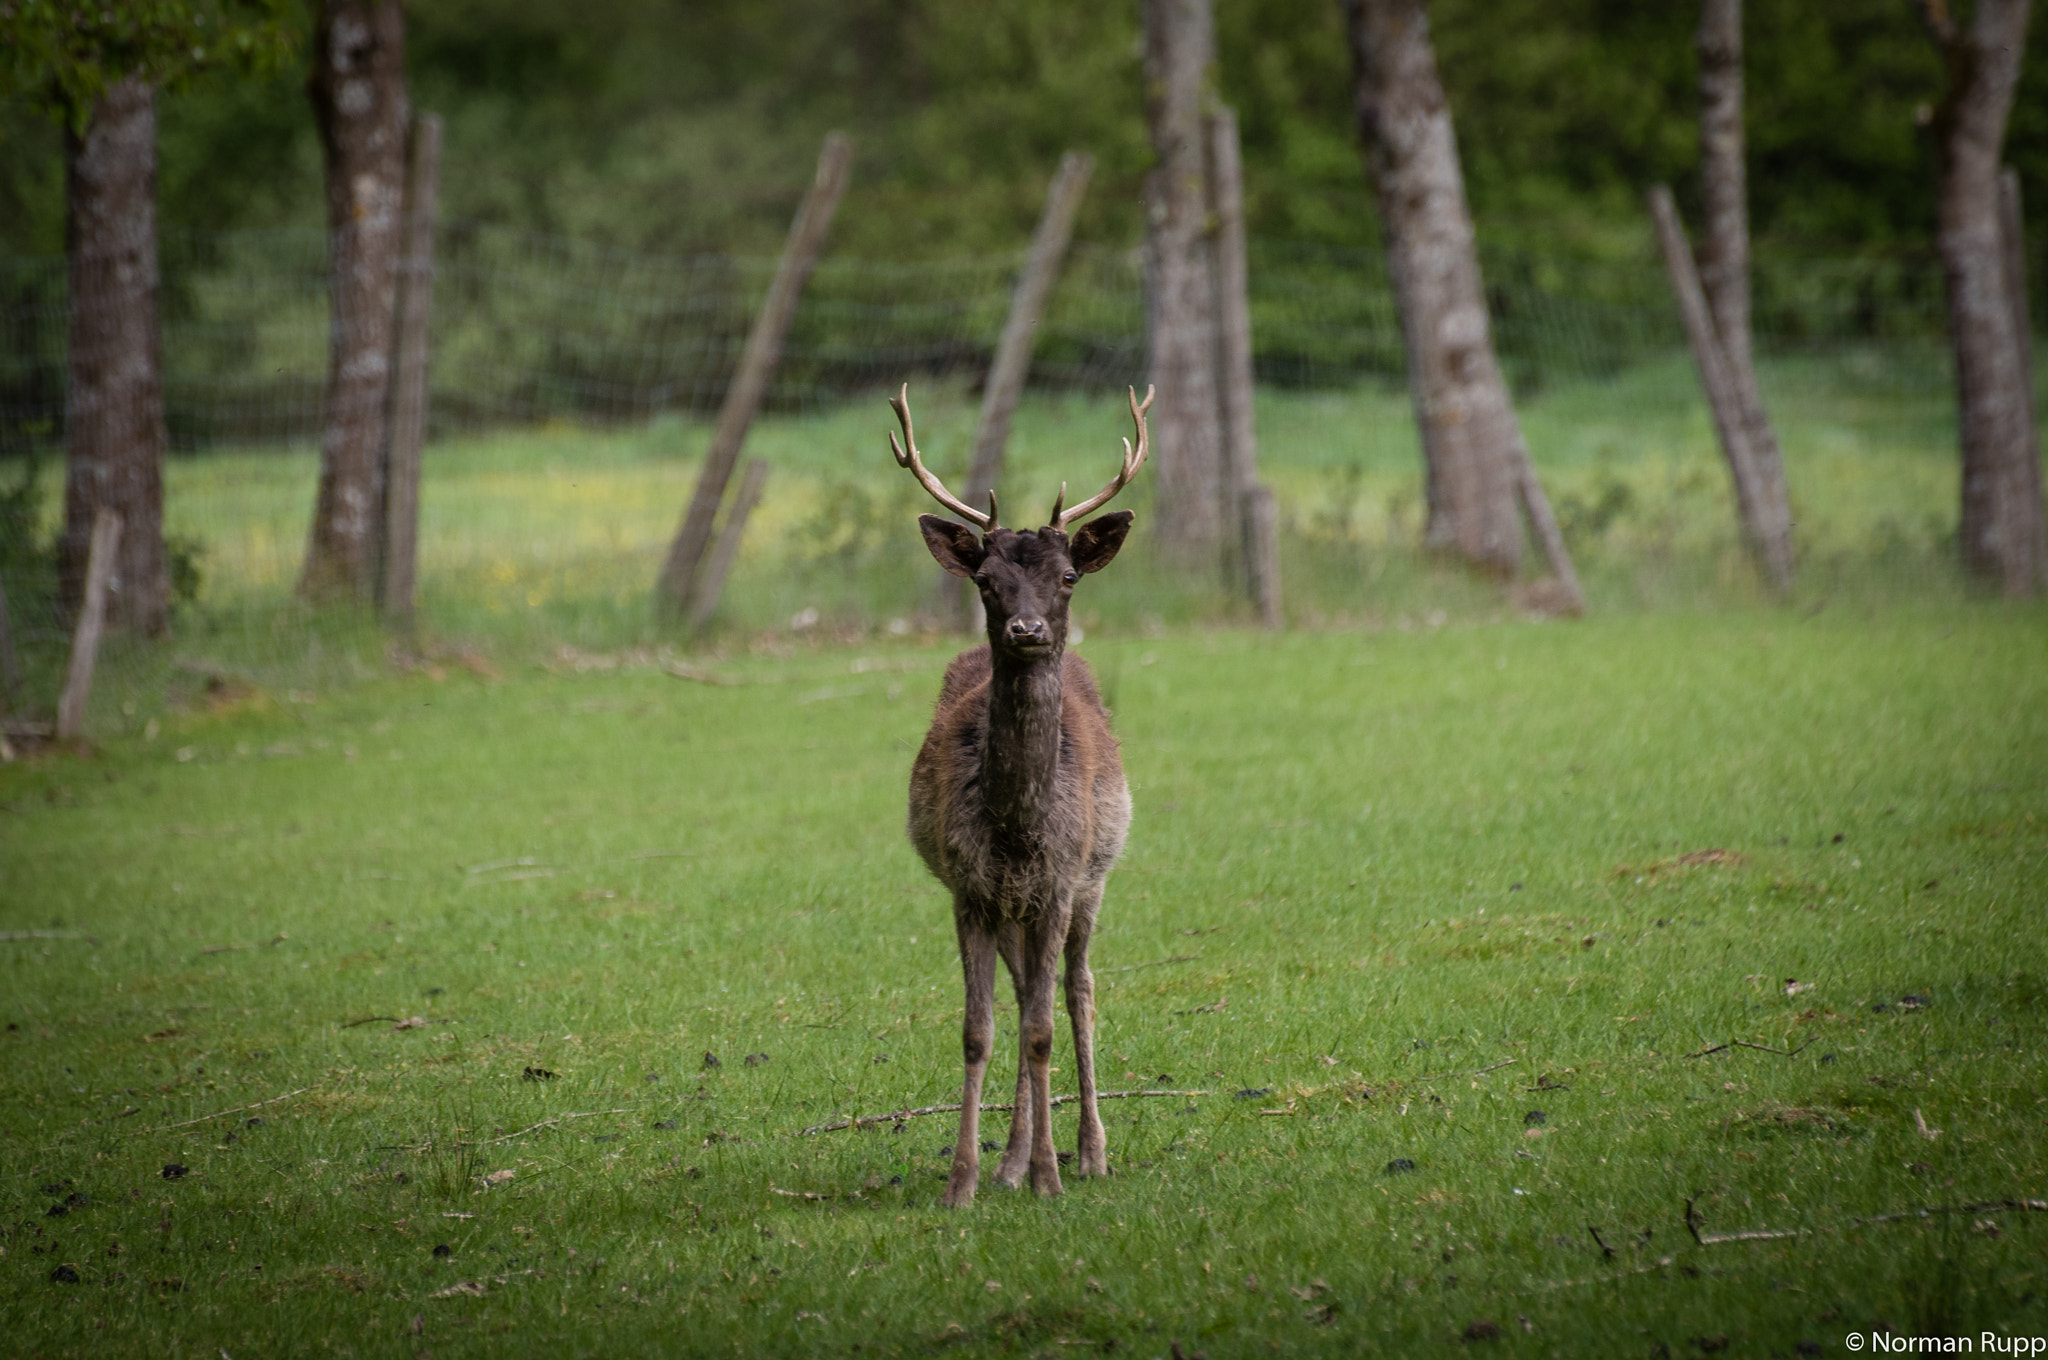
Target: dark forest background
point(682, 127)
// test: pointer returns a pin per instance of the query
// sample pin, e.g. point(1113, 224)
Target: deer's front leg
point(1042, 942)
point(978, 963)
point(1016, 1161)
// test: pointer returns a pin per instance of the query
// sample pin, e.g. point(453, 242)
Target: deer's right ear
point(954, 546)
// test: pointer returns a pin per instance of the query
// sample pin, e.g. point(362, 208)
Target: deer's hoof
point(958, 1196)
point(1010, 1175)
point(1047, 1185)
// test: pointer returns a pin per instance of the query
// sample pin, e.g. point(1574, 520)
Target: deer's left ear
point(1096, 543)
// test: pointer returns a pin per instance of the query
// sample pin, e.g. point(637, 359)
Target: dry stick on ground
point(677, 587)
point(711, 582)
point(1744, 1043)
point(1480, 1071)
point(85, 643)
point(1989, 1206)
point(1134, 967)
point(48, 935)
point(371, 1020)
point(898, 1116)
point(222, 1114)
point(545, 1123)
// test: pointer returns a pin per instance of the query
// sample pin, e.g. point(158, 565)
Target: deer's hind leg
point(1091, 1150)
point(978, 964)
point(1016, 1163)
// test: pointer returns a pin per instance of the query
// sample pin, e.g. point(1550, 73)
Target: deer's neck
point(1021, 761)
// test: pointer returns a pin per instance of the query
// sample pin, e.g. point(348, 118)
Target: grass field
point(1389, 894)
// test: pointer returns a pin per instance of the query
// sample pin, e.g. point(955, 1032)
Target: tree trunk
point(2013, 234)
point(1180, 286)
point(114, 400)
point(1249, 506)
point(2002, 535)
point(1469, 432)
point(1724, 279)
point(358, 93)
point(409, 394)
point(676, 590)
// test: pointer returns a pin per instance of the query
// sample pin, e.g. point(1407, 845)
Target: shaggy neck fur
point(1020, 763)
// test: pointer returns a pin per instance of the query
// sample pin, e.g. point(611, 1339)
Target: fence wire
point(530, 328)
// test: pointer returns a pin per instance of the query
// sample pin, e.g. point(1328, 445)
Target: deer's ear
point(1096, 542)
point(953, 546)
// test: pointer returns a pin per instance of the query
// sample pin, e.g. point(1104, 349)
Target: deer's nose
point(1026, 630)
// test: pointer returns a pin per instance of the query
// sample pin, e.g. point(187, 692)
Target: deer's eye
point(1071, 576)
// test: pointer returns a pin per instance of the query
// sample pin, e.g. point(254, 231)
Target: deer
point(1018, 803)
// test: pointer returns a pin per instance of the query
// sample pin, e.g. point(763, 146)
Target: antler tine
point(1057, 502)
point(1134, 458)
point(907, 456)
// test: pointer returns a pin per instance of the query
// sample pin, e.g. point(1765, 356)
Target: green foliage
point(66, 55)
point(681, 128)
point(1401, 888)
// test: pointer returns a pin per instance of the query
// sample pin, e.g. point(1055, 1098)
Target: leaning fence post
point(408, 426)
point(10, 664)
point(85, 643)
point(677, 588)
point(1769, 541)
point(704, 600)
point(1012, 363)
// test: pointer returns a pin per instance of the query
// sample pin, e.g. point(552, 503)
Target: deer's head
point(1026, 578)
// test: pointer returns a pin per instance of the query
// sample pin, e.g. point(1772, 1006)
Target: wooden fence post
point(1249, 504)
point(1012, 363)
point(92, 618)
point(678, 583)
point(2013, 241)
point(1769, 541)
point(10, 664)
point(408, 426)
point(704, 600)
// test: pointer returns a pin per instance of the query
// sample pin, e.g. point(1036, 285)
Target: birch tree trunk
point(1470, 436)
point(1724, 278)
point(1180, 285)
point(2002, 530)
point(114, 397)
point(359, 101)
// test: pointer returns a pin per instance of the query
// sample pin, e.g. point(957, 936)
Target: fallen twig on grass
point(530, 1128)
point(371, 1020)
point(1134, 967)
point(1989, 1206)
point(1744, 1043)
point(898, 1116)
point(1482, 1071)
point(682, 671)
point(220, 1114)
point(799, 1194)
point(47, 935)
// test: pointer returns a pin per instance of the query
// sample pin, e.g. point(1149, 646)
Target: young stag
point(1018, 804)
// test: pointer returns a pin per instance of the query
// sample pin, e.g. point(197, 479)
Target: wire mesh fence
point(571, 384)
point(529, 327)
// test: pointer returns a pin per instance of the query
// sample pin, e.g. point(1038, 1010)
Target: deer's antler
point(1134, 458)
point(907, 456)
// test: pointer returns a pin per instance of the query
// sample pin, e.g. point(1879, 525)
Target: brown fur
point(1018, 805)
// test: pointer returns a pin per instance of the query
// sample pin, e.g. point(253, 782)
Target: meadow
point(485, 1011)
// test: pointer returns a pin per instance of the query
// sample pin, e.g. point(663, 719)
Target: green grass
point(531, 538)
point(1431, 880)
